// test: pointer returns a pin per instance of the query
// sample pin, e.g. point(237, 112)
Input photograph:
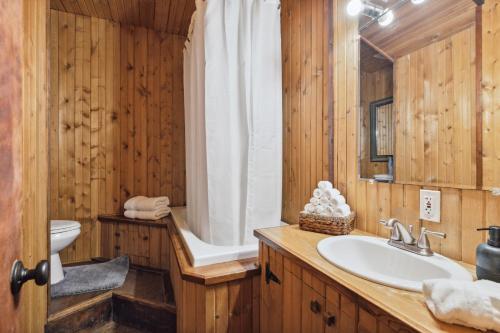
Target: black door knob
point(19, 275)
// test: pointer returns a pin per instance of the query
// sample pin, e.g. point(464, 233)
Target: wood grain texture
point(435, 99)
point(306, 29)
point(463, 210)
point(302, 270)
point(374, 86)
point(229, 303)
point(108, 121)
point(415, 28)
point(34, 168)
point(170, 16)
point(490, 93)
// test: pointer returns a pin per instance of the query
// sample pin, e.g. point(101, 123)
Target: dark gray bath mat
point(94, 277)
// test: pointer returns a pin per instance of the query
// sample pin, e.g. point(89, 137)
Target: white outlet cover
point(430, 205)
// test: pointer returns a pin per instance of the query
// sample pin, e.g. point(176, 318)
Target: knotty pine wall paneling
point(116, 121)
point(435, 99)
point(491, 93)
point(306, 52)
point(463, 210)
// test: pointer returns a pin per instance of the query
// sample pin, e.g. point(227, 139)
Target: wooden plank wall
point(33, 302)
point(435, 98)
point(116, 121)
point(462, 210)
point(228, 307)
point(374, 86)
point(306, 51)
point(491, 93)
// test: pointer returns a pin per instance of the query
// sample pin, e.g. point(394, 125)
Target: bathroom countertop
point(409, 307)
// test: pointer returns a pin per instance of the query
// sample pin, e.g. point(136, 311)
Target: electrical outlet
point(430, 205)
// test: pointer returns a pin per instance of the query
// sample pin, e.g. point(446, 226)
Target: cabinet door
point(348, 315)
point(292, 302)
point(313, 308)
point(332, 311)
point(271, 303)
point(367, 322)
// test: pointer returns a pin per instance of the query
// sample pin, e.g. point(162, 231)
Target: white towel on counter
point(474, 304)
point(143, 203)
point(147, 215)
point(341, 211)
point(325, 185)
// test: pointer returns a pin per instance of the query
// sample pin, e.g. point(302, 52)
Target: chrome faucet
point(403, 238)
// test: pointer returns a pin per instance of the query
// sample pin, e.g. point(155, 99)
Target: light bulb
point(417, 2)
point(354, 7)
point(386, 18)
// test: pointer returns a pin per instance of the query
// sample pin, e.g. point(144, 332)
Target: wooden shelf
point(122, 219)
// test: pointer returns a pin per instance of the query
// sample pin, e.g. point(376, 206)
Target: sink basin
point(373, 259)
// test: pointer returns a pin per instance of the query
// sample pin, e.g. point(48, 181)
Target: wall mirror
point(417, 91)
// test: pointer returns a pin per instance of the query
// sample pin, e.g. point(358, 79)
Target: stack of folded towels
point(327, 201)
point(145, 208)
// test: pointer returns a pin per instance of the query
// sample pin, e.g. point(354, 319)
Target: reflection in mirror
point(422, 54)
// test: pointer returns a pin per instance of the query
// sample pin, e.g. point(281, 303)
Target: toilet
point(62, 234)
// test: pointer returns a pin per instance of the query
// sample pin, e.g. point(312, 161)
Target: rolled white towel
point(330, 193)
point(310, 208)
point(317, 193)
point(341, 211)
point(321, 210)
point(314, 201)
point(474, 304)
point(147, 215)
point(146, 204)
point(337, 201)
point(324, 201)
point(328, 211)
point(325, 185)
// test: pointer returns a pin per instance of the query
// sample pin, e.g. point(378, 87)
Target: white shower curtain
point(232, 69)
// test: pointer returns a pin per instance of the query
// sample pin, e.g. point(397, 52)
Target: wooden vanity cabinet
point(295, 298)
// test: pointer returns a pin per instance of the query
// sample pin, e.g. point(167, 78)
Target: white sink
point(373, 259)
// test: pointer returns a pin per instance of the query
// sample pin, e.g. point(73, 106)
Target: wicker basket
point(325, 224)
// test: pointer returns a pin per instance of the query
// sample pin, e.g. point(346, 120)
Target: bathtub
point(201, 253)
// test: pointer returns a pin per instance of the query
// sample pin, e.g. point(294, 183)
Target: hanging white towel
point(474, 304)
point(146, 204)
point(147, 215)
point(325, 185)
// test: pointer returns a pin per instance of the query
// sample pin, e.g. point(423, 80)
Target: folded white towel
point(147, 215)
point(337, 201)
point(341, 211)
point(324, 201)
point(314, 201)
point(325, 185)
point(310, 208)
point(473, 304)
point(330, 193)
point(328, 211)
point(317, 193)
point(146, 204)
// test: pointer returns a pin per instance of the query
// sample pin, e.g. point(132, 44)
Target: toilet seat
point(59, 226)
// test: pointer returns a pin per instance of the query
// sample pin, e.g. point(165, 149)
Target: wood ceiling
point(170, 16)
point(416, 26)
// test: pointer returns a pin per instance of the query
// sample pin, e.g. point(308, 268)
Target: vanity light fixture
point(355, 7)
point(417, 2)
point(386, 18)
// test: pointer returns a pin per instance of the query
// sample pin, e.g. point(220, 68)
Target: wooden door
point(271, 302)
point(313, 308)
point(23, 159)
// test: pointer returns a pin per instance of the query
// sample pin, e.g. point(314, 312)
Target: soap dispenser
point(488, 256)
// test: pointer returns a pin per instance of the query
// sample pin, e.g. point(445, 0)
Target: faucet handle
point(423, 241)
point(391, 224)
point(385, 223)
